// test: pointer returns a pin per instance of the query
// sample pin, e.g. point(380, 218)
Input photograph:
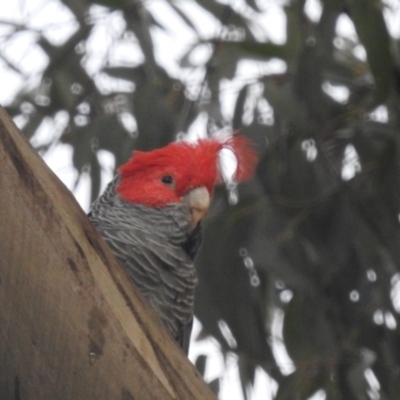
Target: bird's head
point(183, 172)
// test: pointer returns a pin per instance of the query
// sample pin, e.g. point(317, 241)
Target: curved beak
point(198, 200)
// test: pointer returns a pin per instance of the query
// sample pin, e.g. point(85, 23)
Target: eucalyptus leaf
point(372, 31)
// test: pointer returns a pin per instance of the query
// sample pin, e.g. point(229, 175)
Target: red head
point(164, 176)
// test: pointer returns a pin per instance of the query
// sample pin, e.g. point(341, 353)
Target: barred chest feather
point(156, 247)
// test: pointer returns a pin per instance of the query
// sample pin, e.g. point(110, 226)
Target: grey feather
point(156, 247)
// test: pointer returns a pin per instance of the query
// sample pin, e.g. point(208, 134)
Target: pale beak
point(198, 200)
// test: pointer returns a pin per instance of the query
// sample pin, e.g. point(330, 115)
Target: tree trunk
point(71, 324)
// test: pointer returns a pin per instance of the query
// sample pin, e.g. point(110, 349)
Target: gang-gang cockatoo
point(150, 216)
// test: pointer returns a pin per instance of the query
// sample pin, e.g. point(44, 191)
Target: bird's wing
point(157, 263)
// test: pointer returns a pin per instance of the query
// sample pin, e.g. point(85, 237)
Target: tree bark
point(71, 324)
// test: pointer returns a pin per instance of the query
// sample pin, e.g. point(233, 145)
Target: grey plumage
point(156, 247)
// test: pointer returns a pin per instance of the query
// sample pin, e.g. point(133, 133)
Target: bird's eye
point(167, 179)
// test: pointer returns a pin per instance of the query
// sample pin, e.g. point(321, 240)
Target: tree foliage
point(314, 238)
